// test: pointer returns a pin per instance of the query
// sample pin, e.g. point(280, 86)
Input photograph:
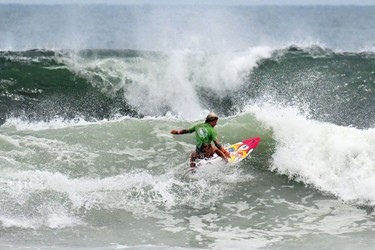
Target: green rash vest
point(204, 134)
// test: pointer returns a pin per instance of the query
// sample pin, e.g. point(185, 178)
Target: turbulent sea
point(88, 95)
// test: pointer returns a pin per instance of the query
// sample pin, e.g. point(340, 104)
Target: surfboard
point(238, 152)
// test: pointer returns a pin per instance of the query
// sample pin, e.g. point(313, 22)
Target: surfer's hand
point(226, 153)
point(175, 132)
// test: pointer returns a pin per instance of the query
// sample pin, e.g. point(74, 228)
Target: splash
point(335, 159)
point(169, 82)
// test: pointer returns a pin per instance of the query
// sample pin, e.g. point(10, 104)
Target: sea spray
point(329, 157)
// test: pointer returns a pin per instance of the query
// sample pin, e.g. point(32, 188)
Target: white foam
point(335, 159)
point(154, 84)
point(57, 123)
point(51, 220)
point(139, 192)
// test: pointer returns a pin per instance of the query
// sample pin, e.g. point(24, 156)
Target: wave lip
point(334, 159)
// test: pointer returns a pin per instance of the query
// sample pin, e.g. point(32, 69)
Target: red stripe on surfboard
point(252, 142)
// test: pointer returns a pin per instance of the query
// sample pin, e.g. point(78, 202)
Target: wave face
point(102, 84)
point(89, 93)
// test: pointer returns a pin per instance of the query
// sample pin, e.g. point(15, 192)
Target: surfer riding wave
point(205, 134)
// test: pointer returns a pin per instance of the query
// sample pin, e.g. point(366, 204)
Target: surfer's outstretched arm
point(180, 132)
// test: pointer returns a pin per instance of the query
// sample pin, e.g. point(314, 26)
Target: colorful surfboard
point(238, 152)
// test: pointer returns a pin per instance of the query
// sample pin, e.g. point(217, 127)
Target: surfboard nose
point(252, 142)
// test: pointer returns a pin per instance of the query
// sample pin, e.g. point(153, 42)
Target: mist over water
point(88, 95)
point(169, 28)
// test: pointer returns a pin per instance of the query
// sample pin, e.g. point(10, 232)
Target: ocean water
point(88, 95)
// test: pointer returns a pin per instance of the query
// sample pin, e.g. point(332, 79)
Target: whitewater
point(89, 93)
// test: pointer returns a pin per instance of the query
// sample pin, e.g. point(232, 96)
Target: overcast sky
point(198, 2)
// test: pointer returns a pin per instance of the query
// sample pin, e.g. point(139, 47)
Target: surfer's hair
point(211, 117)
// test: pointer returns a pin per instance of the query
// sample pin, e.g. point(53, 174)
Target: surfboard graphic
point(238, 151)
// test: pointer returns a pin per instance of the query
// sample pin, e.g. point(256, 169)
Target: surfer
point(205, 134)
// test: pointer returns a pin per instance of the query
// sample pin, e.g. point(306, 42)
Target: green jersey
point(204, 134)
